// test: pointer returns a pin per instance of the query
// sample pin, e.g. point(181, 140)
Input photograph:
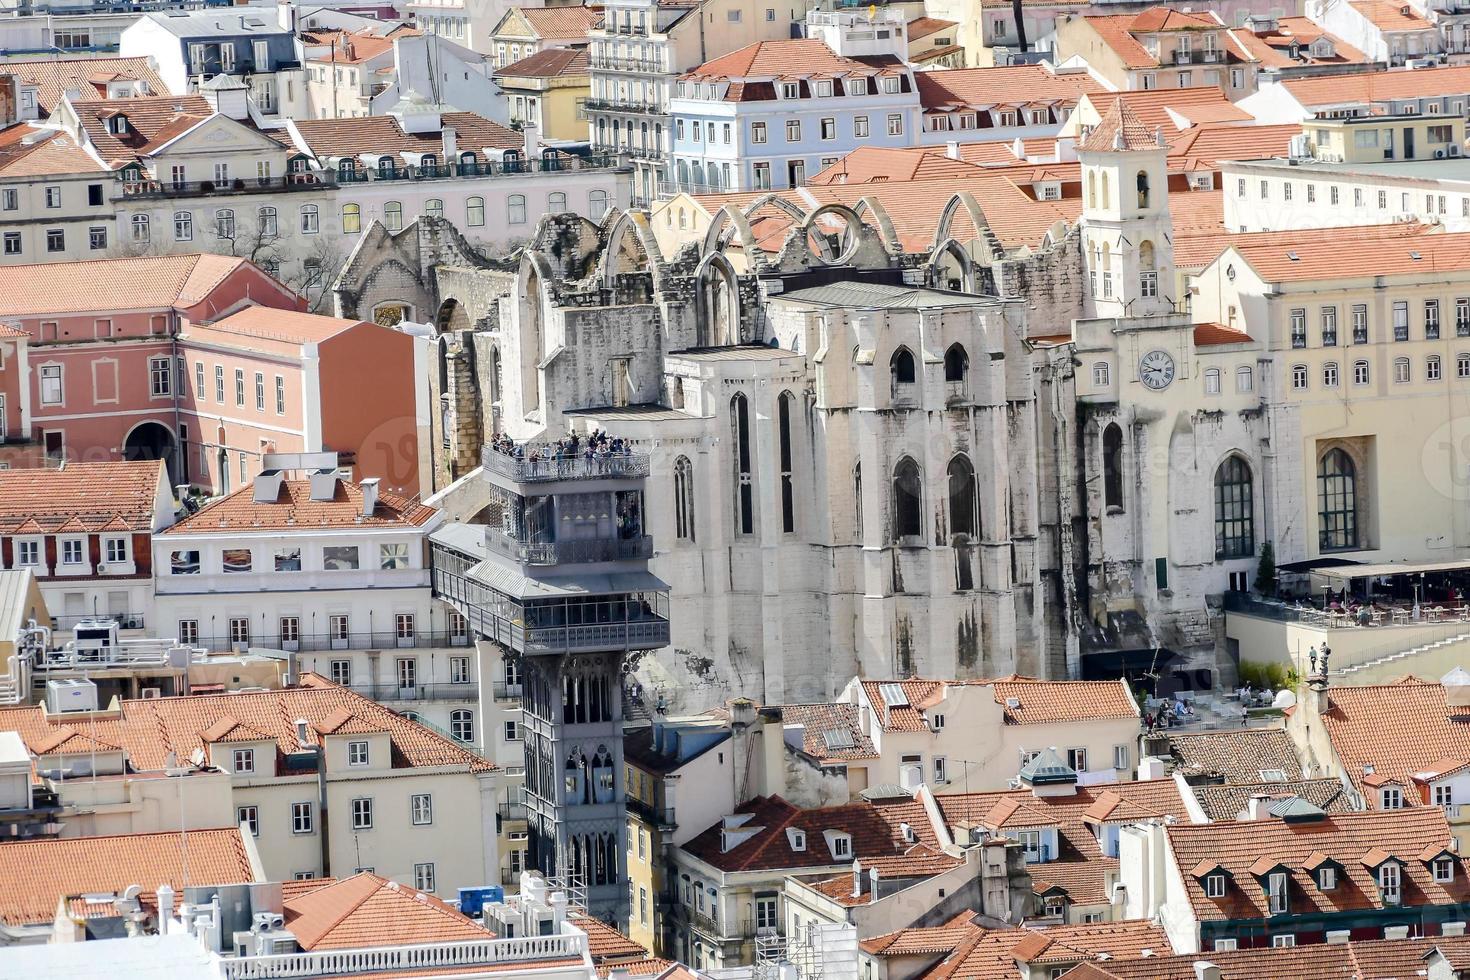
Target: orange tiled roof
point(383, 135)
point(152, 121)
point(1358, 842)
point(1120, 129)
point(1398, 729)
point(1118, 32)
point(1168, 19)
point(38, 873)
point(353, 48)
point(548, 63)
point(818, 720)
point(991, 954)
point(291, 326)
point(875, 830)
point(89, 495)
point(1152, 106)
point(1080, 869)
point(1020, 85)
point(86, 76)
point(293, 508)
point(26, 151)
point(1203, 146)
point(1390, 17)
point(1383, 959)
point(1272, 48)
point(1197, 247)
point(367, 910)
point(158, 282)
point(1342, 256)
point(1235, 756)
point(605, 944)
point(1217, 334)
point(795, 58)
point(871, 164)
point(1040, 701)
point(1379, 86)
point(562, 23)
point(922, 27)
point(149, 730)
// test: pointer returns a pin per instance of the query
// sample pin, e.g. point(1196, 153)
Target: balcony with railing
point(124, 620)
point(319, 642)
point(625, 104)
point(149, 188)
point(569, 552)
point(504, 691)
point(620, 63)
point(533, 464)
point(525, 951)
point(389, 691)
point(1208, 56)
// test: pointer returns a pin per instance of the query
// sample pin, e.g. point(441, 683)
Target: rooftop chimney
point(451, 143)
point(1205, 970)
point(369, 496)
point(952, 149)
point(165, 895)
point(1257, 808)
point(857, 879)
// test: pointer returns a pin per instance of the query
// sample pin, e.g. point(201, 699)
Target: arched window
point(1212, 381)
point(351, 219)
point(434, 208)
point(857, 500)
point(224, 223)
point(140, 228)
point(346, 170)
point(901, 370)
point(684, 499)
point(956, 371)
point(385, 167)
point(596, 204)
point(744, 490)
point(429, 163)
point(1107, 200)
point(788, 491)
point(516, 209)
point(474, 212)
point(908, 511)
point(310, 219)
point(1401, 373)
point(467, 162)
point(1092, 190)
point(1235, 529)
point(183, 226)
point(1113, 467)
point(1107, 267)
point(964, 513)
point(1337, 502)
point(462, 724)
point(269, 222)
point(393, 216)
point(1432, 368)
point(1142, 181)
point(556, 203)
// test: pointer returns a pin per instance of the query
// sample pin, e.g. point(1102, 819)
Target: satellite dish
point(197, 756)
point(132, 892)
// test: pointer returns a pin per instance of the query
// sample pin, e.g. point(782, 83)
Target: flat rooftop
point(1450, 168)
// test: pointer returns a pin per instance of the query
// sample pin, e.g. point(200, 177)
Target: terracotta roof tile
point(916, 941)
point(874, 827)
point(825, 725)
point(1273, 48)
point(376, 135)
point(294, 508)
point(152, 121)
point(1048, 702)
point(148, 730)
point(228, 729)
point(795, 58)
point(88, 496)
point(1016, 86)
point(1118, 32)
point(549, 63)
point(1218, 335)
point(54, 79)
point(26, 151)
point(1397, 729)
point(1228, 802)
point(1081, 869)
point(1197, 247)
point(1357, 841)
point(1120, 129)
point(1371, 87)
point(367, 910)
point(290, 326)
point(991, 954)
point(606, 944)
point(143, 283)
point(38, 873)
point(922, 27)
point(1152, 106)
point(1236, 756)
point(1390, 17)
point(1342, 256)
point(562, 23)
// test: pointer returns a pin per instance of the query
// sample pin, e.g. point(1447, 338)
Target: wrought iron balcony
point(539, 466)
point(570, 552)
point(646, 634)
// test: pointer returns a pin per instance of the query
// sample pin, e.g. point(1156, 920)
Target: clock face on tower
point(1156, 370)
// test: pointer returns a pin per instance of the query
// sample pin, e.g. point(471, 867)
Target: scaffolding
point(819, 951)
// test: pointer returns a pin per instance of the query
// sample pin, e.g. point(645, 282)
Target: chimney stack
point(369, 496)
point(857, 879)
point(1256, 809)
point(451, 144)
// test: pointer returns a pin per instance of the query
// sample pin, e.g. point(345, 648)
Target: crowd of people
point(594, 446)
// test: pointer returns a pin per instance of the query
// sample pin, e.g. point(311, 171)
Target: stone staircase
point(1376, 665)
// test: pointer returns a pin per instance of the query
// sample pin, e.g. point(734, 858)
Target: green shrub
point(1261, 676)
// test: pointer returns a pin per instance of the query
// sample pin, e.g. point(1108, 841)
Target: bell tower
point(1127, 232)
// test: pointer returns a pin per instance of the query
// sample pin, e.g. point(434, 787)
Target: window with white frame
point(362, 814)
point(1212, 381)
point(250, 817)
point(1214, 886)
point(459, 670)
point(51, 384)
point(1100, 374)
point(71, 552)
point(357, 753)
point(462, 725)
point(244, 760)
point(421, 807)
point(512, 731)
point(1444, 869)
point(1391, 798)
point(189, 632)
point(1390, 883)
point(423, 877)
point(301, 818)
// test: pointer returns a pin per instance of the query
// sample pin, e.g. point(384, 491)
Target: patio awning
point(1313, 564)
point(1347, 573)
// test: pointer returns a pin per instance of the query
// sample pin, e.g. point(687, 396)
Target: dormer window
point(1391, 798)
point(244, 760)
point(857, 86)
point(824, 89)
point(1215, 886)
point(1327, 878)
point(908, 833)
point(890, 84)
point(117, 125)
point(1444, 869)
point(796, 838)
point(790, 90)
point(1390, 879)
point(1276, 883)
point(840, 844)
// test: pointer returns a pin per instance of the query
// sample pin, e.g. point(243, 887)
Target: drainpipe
point(321, 792)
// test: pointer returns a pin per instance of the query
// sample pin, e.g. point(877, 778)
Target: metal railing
point(629, 466)
point(1205, 57)
point(391, 691)
point(322, 642)
point(382, 959)
point(614, 63)
point(128, 653)
point(125, 621)
point(512, 810)
point(569, 552)
point(618, 104)
point(506, 692)
point(253, 185)
point(649, 634)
